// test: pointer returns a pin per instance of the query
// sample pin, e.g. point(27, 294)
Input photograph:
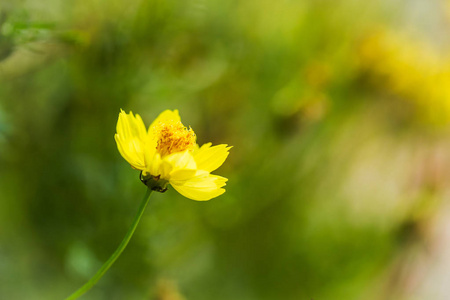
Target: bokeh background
point(338, 111)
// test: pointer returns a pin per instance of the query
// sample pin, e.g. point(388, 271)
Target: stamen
point(173, 137)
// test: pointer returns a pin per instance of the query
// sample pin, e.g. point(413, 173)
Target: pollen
point(173, 137)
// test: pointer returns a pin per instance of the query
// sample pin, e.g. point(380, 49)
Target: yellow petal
point(164, 170)
point(210, 158)
point(152, 161)
point(170, 164)
point(128, 154)
point(182, 175)
point(129, 125)
point(201, 187)
point(130, 138)
point(165, 116)
point(181, 160)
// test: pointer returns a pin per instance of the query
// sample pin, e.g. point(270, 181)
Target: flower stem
point(88, 285)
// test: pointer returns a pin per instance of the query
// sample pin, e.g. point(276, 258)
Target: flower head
point(167, 153)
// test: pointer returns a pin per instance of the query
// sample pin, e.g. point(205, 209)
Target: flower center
point(173, 137)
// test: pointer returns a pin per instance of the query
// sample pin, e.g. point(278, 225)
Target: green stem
point(116, 253)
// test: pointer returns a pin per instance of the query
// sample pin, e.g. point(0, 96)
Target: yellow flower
point(168, 153)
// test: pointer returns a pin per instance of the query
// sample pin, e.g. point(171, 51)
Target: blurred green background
point(338, 112)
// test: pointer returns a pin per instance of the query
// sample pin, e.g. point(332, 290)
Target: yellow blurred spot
point(168, 290)
point(410, 70)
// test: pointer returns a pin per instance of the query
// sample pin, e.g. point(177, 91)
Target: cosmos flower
point(167, 153)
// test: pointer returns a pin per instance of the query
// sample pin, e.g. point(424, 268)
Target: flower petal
point(152, 161)
point(130, 138)
point(202, 187)
point(181, 160)
point(168, 166)
point(210, 158)
point(165, 116)
point(182, 175)
point(129, 125)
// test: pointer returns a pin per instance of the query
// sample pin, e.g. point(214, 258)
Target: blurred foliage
point(338, 112)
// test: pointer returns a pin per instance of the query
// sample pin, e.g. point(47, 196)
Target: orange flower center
point(173, 137)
